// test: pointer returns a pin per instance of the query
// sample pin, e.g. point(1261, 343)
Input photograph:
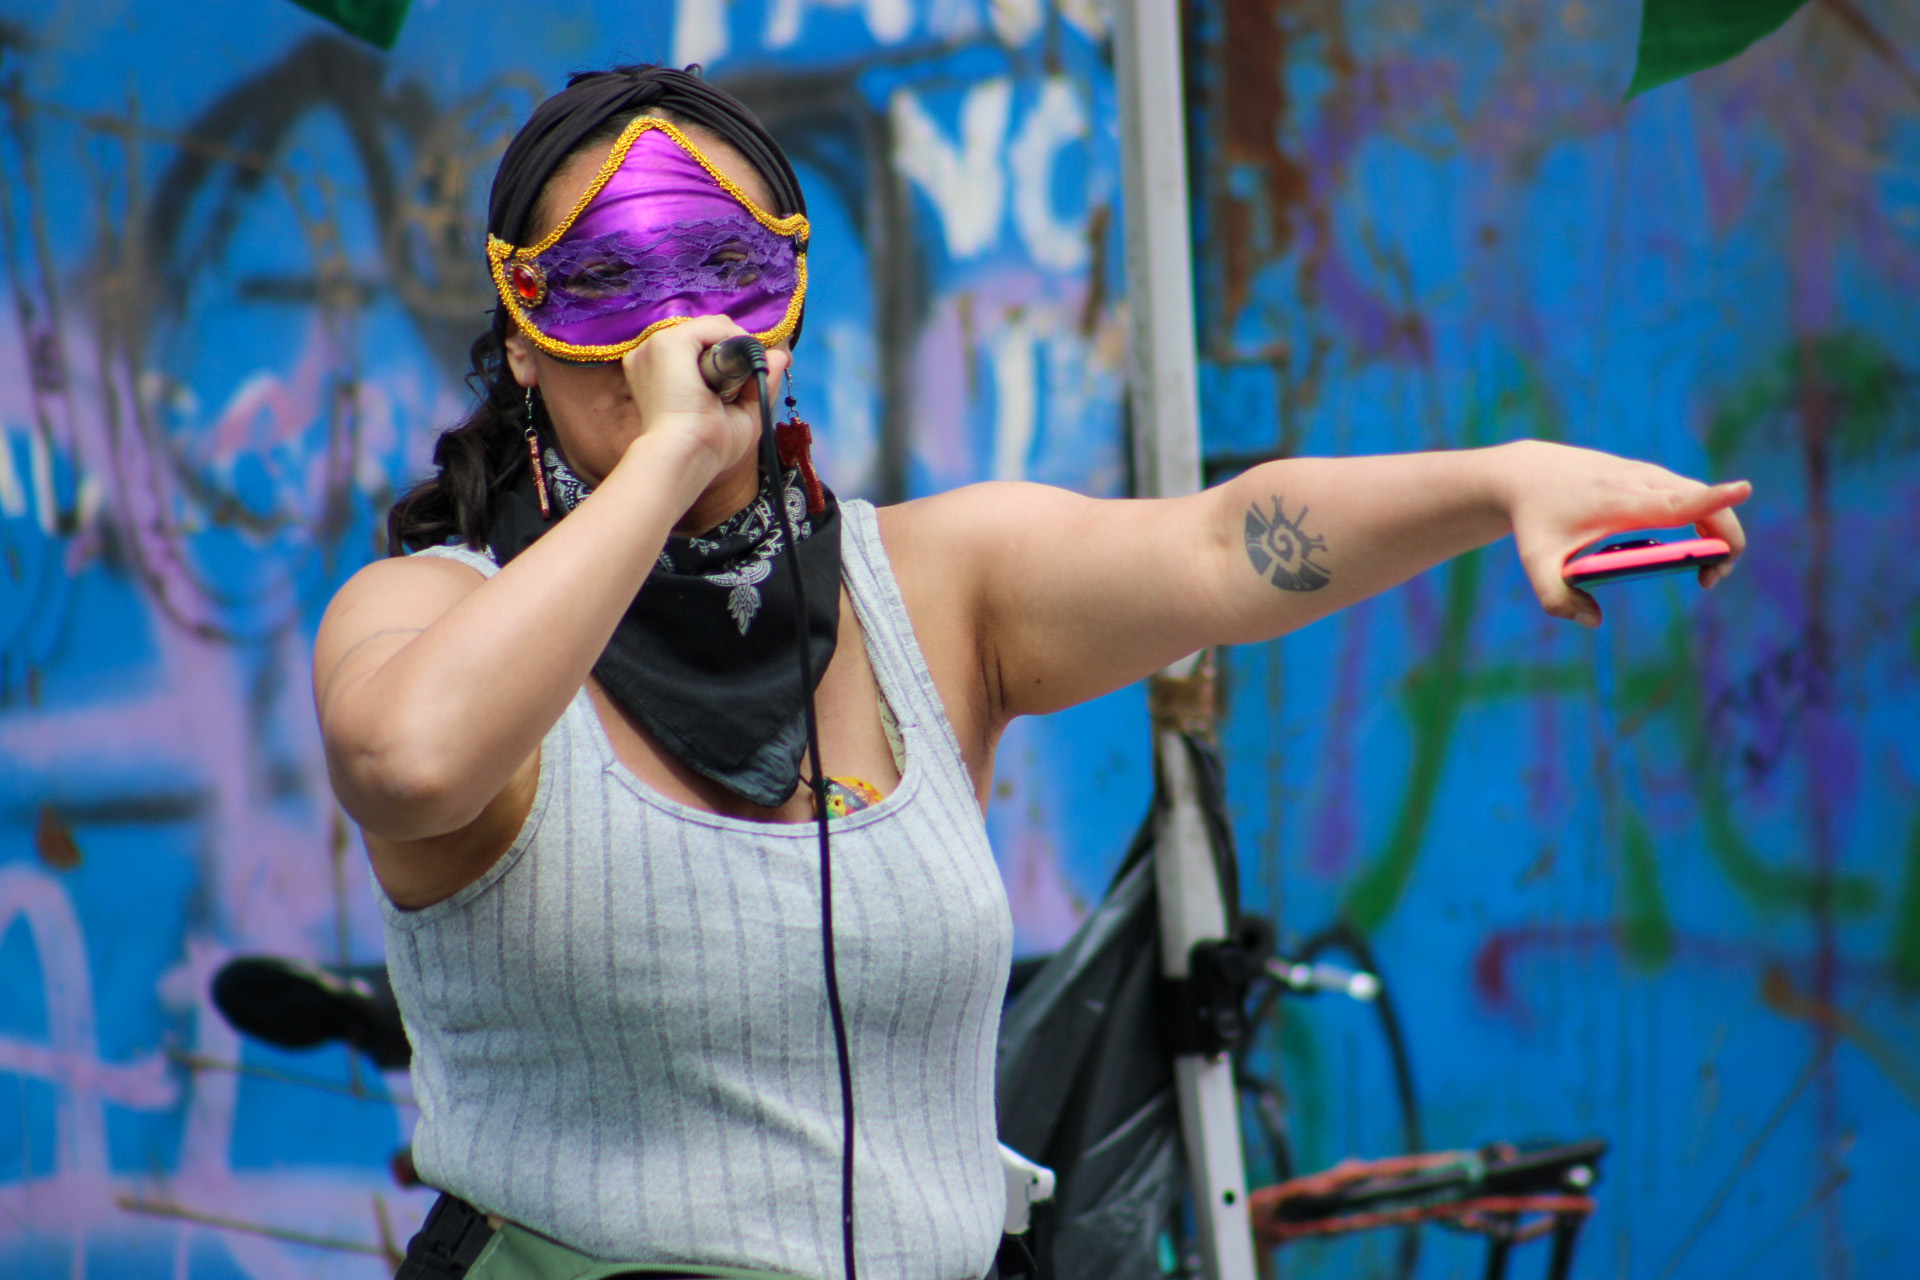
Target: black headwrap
point(703, 658)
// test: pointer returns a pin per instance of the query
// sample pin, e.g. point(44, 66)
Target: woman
point(571, 734)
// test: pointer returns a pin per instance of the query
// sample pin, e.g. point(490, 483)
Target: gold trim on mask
point(499, 252)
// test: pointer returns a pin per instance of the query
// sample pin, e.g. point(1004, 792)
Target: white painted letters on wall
point(1015, 395)
point(889, 21)
point(1016, 21)
point(967, 180)
point(966, 183)
point(1053, 123)
point(699, 31)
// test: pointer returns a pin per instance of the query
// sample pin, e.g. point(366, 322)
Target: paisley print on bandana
point(716, 555)
point(565, 488)
point(703, 658)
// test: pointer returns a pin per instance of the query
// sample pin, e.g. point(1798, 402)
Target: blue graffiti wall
point(1661, 884)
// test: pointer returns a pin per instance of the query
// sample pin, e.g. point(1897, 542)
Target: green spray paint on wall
point(1646, 930)
point(1904, 954)
point(1433, 695)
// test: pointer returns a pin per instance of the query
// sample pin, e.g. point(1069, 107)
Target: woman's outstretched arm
point(1075, 597)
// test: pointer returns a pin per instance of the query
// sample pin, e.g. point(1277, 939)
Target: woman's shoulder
point(953, 510)
point(480, 561)
point(970, 525)
point(455, 567)
point(402, 593)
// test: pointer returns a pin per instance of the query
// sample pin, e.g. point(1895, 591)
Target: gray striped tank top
point(620, 1032)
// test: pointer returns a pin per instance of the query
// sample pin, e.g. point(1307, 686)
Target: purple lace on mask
point(662, 239)
point(617, 272)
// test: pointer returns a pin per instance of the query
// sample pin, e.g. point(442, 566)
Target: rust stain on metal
point(1189, 704)
point(1254, 104)
point(53, 841)
point(1098, 219)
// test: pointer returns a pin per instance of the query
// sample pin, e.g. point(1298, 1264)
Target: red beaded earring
point(794, 440)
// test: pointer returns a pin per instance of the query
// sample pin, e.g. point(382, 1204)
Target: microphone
point(726, 366)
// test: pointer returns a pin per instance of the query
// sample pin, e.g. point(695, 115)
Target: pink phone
point(1643, 558)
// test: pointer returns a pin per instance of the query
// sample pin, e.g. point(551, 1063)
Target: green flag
point(1679, 37)
point(375, 21)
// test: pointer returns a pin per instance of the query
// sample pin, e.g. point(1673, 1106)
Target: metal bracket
point(1206, 1012)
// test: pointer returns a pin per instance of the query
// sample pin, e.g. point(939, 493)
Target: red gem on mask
point(529, 281)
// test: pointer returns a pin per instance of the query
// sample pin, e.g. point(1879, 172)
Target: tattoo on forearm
point(1282, 550)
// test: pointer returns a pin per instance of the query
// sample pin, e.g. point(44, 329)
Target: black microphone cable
point(770, 462)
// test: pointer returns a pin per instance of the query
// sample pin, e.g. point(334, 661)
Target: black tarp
point(1084, 1078)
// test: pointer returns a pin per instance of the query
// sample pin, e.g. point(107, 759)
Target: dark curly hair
point(475, 458)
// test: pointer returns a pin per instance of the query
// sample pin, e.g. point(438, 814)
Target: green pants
point(515, 1253)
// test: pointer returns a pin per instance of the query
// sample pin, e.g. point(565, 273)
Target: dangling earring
point(794, 440)
point(533, 452)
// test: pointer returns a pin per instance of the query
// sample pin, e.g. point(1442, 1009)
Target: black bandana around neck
point(704, 657)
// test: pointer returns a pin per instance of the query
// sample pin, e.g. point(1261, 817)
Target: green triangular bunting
point(375, 21)
point(1679, 37)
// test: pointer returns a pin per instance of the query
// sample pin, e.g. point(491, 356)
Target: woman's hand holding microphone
point(678, 409)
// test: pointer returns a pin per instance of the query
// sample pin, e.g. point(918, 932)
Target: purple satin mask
point(659, 236)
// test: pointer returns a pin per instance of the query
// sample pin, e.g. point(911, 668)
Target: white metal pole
point(1162, 372)
point(1166, 449)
